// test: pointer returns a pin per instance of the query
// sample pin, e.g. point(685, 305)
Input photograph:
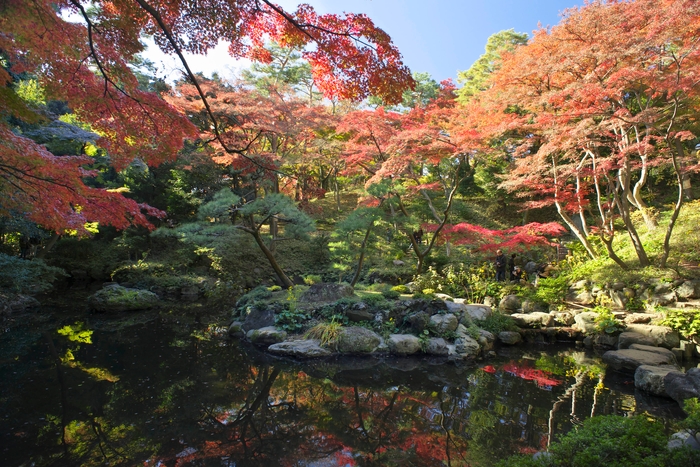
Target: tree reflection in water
point(151, 396)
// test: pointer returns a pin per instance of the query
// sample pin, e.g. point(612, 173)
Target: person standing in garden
point(511, 265)
point(500, 265)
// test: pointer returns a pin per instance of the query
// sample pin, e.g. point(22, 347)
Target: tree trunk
point(581, 213)
point(286, 282)
point(362, 256)
point(274, 226)
point(679, 201)
point(624, 210)
point(565, 216)
point(580, 379)
point(336, 189)
point(635, 197)
point(574, 228)
point(606, 218)
point(611, 253)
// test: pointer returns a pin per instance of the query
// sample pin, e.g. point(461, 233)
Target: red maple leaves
point(82, 58)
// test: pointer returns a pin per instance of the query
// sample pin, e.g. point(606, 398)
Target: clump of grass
point(327, 333)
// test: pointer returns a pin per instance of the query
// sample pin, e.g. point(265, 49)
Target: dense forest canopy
point(80, 55)
point(580, 118)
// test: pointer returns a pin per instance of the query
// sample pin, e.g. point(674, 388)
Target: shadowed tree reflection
point(150, 395)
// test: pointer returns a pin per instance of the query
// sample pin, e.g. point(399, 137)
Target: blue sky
point(438, 36)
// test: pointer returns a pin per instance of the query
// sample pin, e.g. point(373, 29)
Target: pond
point(92, 391)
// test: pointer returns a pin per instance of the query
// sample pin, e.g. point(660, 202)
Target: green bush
point(429, 280)
point(635, 305)
point(401, 289)
point(426, 294)
point(24, 276)
point(259, 293)
point(374, 300)
point(692, 408)
point(686, 322)
point(612, 441)
point(606, 321)
point(497, 322)
point(291, 319)
point(331, 313)
point(312, 279)
point(552, 290)
point(391, 294)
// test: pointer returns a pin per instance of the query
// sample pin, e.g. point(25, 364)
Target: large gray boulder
point(16, 303)
point(602, 339)
point(485, 340)
point(444, 323)
point(418, 321)
point(509, 304)
point(684, 439)
point(357, 340)
point(531, 306)
point(585, 322)
point(688, 290)
point(564, 318)
point(583, 297)
point(650, 348)
point(266, 336)
point(533, 320)
point(326, 293)
point(628, 360)
point(465, 348)
point(256, 318)
point(306, 348)
point(663, 335)
point(444, 297)
point(359, 312)
point(639, 318)
point(455, 307)
point(403, 344)
point(510, 337)
point(628, 338)
point(478, 312)
point(680, 387)
point(436, 346)
point(116, 298)
point(651, 379)
point(235, 330)
point(663, 299)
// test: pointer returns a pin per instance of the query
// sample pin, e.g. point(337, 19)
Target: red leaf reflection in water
point(543, 379)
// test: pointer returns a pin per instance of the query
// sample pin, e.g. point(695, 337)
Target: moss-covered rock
point(442, 324)
point(266, 336)
point(15, 303)
point(404, 344)
point(307, 348)
point(116, 298)
point(357, 340)
point(326, 293)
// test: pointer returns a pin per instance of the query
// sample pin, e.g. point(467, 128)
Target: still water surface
point(91, 392)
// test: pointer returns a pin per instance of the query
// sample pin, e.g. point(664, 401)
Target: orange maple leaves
point(83, 57)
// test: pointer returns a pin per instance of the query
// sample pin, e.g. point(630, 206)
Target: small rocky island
point(331, 319)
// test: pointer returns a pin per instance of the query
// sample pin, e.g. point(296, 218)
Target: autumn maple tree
point(80, 54)
point(415, 159)
point(589, 106)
